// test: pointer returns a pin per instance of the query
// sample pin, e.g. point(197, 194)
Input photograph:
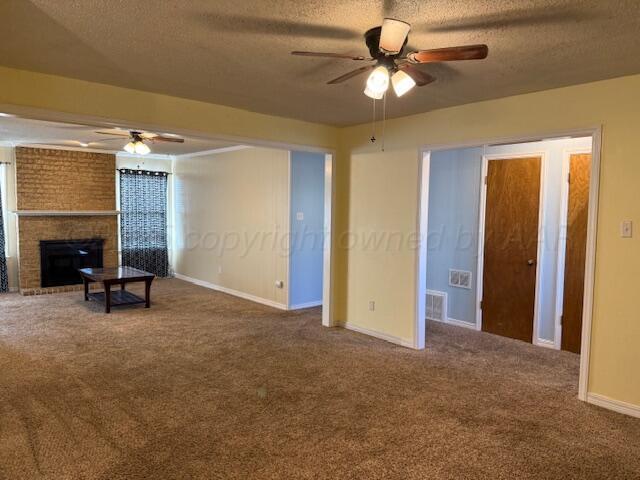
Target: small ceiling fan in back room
point(138, 140)
point(389, 64)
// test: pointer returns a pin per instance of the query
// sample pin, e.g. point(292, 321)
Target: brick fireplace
point(63, 195)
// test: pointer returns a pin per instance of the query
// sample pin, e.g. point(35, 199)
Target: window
point(143, 220)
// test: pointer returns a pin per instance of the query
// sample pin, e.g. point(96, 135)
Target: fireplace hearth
point(61, 259)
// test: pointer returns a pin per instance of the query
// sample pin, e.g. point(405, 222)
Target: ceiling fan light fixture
point(371, 94)
point(141, 148)
point(402, 83)
point(394, 33)
point(377, 83)
point(130, 147)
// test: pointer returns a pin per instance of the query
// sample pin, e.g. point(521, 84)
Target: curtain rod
point(150, 172)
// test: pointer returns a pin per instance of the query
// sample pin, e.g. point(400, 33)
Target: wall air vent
point(460, 278)
point(436, 306)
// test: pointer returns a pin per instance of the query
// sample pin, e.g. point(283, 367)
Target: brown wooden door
point(511, 247)
point(576, 252)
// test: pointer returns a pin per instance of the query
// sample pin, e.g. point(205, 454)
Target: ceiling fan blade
point(331, 55)
point(467, 52)
point(160, 138)
point(393, 35)
point(68, 126)
point(120, 139)
point(119, 134)
point(353, 73)
point(421, 78)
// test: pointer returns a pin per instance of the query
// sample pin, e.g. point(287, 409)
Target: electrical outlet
point(300, 216)
point(279, 284)
point(220, 269)
point(626, 229)
point(372, 306)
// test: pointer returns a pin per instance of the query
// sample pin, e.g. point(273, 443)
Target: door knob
point(531, 262)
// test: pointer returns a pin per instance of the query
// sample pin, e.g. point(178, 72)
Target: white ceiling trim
point(213, 151)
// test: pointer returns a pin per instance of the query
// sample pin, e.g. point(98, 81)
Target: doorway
point(197, 144)
point(506, 251)
point(306, 218)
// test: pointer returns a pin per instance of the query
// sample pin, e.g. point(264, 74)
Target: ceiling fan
point(137, 139)
point(386, 46)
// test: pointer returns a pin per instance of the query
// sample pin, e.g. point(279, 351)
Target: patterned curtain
point(143, 221)
point(4, 278)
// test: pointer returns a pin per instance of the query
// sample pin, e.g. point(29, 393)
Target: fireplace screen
point(61, 259)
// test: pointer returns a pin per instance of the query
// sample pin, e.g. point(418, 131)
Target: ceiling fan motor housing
point(136, 136)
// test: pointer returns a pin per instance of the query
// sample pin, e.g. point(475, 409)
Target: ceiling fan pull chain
point(384, 116)
point(373, 123)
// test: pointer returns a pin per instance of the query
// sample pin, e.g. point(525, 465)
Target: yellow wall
point(382, 210)
point(390, 277)
point(386, 184)
point(232, 220)
point(29, 90)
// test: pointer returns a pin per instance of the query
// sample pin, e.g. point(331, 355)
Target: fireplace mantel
point(66, 213)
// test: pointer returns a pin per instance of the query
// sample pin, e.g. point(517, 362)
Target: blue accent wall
point(307, 235)
point(454, 202)
point(452, 243)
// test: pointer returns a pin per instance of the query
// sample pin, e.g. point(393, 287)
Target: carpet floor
point(207, 386)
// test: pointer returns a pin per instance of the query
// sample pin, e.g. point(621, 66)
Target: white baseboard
point(455, 322)
point(543, 342)
point(235, 293)
point(434, 320)
point(461, 323)
point(615, 405)
point(372, 333)
point(300, 306)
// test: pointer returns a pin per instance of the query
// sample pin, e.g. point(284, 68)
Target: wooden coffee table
point(116, 276)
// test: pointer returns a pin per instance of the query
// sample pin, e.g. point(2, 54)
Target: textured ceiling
point(236, 52)
point(22, 131)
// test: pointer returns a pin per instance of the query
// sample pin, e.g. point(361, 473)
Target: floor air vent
point(436, 305)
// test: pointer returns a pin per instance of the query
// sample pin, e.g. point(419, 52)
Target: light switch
point(300, 216)
point(626, 229)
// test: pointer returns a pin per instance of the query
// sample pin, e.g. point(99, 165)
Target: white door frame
point(422, 224)
point(540, 240)
point(328, 245)
point(562, 240)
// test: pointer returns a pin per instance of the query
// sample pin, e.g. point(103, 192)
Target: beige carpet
point(207, 386)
